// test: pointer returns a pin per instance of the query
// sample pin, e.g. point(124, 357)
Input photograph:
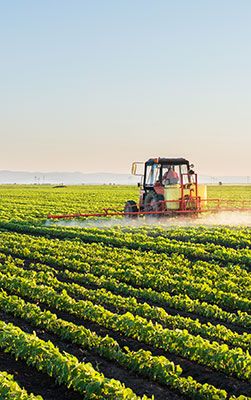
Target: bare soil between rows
point(172, 311)
point(110, 369)
point(34, 381)
point(141, 299)
point(169, 310)
point(117, 244)
point(199, 372)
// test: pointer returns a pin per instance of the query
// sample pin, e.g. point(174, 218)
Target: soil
point(35, 382)
point(131, 246)
point(39, 383)
point(201, 373)
point(169, 310)
point(110, 369)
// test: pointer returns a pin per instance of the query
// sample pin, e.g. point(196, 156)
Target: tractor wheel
point(153, 202)
point(131, 206)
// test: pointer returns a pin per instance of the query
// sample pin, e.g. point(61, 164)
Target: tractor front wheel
point(131, 207)
point(154, 203)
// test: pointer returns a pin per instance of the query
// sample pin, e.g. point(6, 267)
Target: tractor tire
point(153, 202)
point(131, 206)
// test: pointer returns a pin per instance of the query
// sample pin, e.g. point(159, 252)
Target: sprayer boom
point(203, 206)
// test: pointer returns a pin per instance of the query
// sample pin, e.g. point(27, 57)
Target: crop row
point(10, 389)
point(43, 249)
point(65, 368)
point(231, 276)
point(229, 237)
point(178, 302)
point(230, 271)
point(232, 361)
point(205, 252)
point(34, 203)
point(124, 304)
point(157, 368)
point(133, 240)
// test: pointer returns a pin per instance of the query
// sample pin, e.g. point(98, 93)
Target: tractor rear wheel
point(154, 202)
point(131, 207)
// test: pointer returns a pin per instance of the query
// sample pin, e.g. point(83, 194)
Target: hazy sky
point(92, 85)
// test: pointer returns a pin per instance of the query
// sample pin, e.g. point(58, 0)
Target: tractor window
point(183, 169)
point(152, 174)
point(170, 174)
point(186, 178)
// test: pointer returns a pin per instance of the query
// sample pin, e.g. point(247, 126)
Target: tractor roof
point(167, 161)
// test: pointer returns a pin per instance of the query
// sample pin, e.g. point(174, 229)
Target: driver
point(170, 177)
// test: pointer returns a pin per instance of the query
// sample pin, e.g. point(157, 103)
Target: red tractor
point(168, 186)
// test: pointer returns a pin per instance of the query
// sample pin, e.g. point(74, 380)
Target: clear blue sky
point(93, 85)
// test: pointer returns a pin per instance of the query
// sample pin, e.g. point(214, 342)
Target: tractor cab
point(164, 171)
point(168, 185)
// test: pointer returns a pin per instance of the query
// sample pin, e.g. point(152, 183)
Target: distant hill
point(78, 178)
point(67, 178)
point(225, 179)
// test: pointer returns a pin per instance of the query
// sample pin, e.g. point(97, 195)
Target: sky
point(92, 85)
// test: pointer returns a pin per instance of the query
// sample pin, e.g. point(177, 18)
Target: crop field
point(122, 311)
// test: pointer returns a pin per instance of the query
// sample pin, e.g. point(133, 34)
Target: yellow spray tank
point(173, 196)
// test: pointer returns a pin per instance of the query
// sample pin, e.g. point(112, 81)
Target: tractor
point(169, 186)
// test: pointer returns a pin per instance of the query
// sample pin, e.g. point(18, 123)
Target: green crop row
point(65, 368)
point(206, 252)
point(157, 368)
point(232, 361)
point(178, 302)
point(220, 235)
point(123, 304)
point(44, 250)
point(158, 281)
point(230, 275)
point(228, 237)
point(10, 389)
